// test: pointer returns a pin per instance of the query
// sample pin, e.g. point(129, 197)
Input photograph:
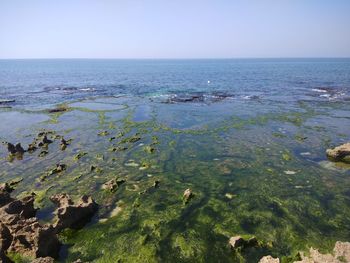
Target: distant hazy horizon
point(155, 29)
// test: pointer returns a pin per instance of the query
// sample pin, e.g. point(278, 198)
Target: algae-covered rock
point(64, 143)
point(103, 133)
point(58, 169)
point(46, 140)
point(96, 169)
point(11, 148)
point(340, 153)
point(32, 147)
point(19, 149)
point(15, 149)
point(70, 215)
point(236, 242)
point(58, 109)
point(240, 242)
point(131, 139)
point(113, 184)
point(118, 149)
point(79, 155)
point(156, 183)
point(149, 149)
point(43, 153)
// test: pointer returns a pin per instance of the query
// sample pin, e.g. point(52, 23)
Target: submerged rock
point(269, 259)
point(58, 109)
point(187, 196)
point(11, 148)
point(198, 97)
point(103, 133)
point(46, 140)
point(340, 153)
point(19, 149)
point(118, 149)
point(15, 149)
point(79, 155)
point(32, 147)
point(6, 101)
point(64, 144)
point(132, 139)
point(59, 168)
point(43, 153)
point(70, 215)
point(95, 169)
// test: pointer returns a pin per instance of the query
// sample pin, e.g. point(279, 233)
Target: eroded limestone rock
point(240, 242)
point(187, 196)
point(341, 254)
point(269, 259)
point(113, 184)
point(340, 153)
point(21, 232)
point(70, 215)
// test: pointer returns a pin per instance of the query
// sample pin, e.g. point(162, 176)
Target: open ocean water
point(247, 136)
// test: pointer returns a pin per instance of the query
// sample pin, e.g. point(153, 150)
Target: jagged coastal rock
point(70, 215)
point(341, 254)
point(240, 242)
point(340, 153)
point(187, 196)
point(20, 230)
point(113, 184)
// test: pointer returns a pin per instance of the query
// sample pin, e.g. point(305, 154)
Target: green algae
point(243, 157)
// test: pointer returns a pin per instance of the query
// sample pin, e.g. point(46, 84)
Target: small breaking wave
point(330, 93)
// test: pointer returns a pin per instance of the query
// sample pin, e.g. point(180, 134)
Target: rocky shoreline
point(22, 233)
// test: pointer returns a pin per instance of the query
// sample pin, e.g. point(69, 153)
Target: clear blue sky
point(174, 28)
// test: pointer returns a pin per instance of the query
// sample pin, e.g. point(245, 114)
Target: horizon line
point(170, 58)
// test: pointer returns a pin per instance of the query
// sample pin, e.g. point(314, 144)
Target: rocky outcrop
point(240, 242)
point(58, 109)
point(15, 149)
point(269, 259)
point(187, 196)
point(198, 97)
point(340, 153)
point(5, 242)
point(5, 191)
point(70, 215)
point(113, 184)
point(6, 101)
point(20, 230)
point(341, 254)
